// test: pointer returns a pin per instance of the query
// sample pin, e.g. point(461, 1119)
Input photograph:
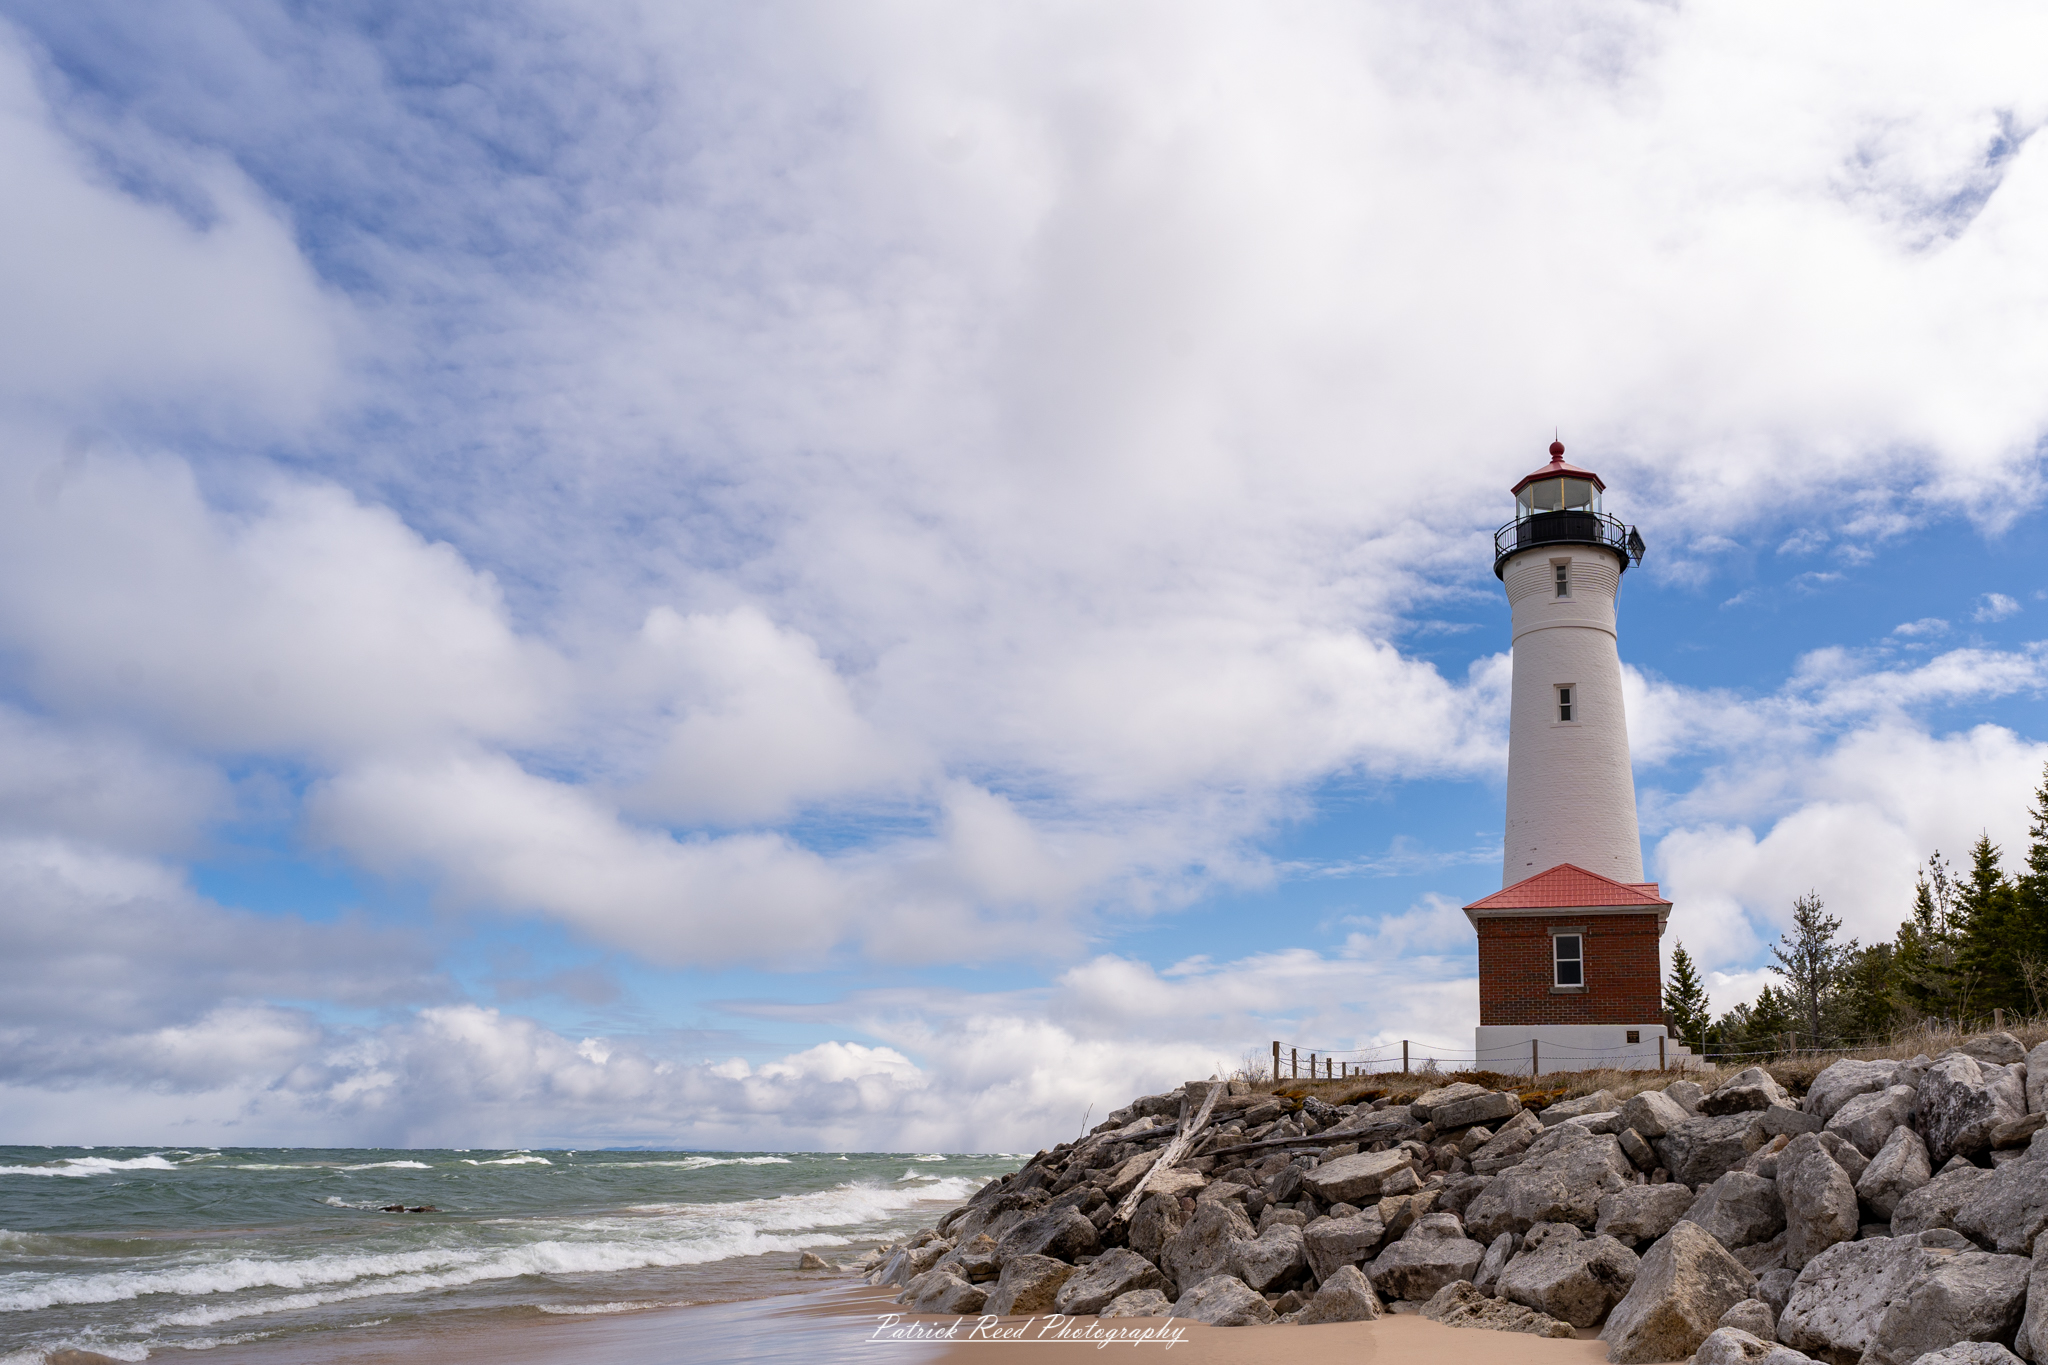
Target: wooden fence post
point(1535, 1061)
point(1660, 1052)
point(1404, 1056)
point(1294, 1064)
point(1276, 1061)
point(1998, 1020)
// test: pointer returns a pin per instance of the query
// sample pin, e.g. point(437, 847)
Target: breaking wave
point(91, 1165)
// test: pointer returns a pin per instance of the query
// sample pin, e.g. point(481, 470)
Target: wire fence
point(1294, 1061)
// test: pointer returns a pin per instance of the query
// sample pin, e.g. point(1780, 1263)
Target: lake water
point(134, 1252)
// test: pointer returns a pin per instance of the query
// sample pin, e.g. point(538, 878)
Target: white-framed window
point(1561, 576)
point(1566, 702)
point(1568, 959)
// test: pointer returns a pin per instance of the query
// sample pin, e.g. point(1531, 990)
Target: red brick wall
point(1624, 972)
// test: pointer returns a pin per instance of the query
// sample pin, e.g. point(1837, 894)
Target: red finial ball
point(1557, 450)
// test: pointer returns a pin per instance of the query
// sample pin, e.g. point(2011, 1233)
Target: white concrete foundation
point(1576, 1047)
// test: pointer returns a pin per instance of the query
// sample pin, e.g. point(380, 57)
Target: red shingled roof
point(1568, 886)
point(1557, 468)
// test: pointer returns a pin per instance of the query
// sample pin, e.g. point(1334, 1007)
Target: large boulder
point(1363, 1176)
point(1753, 1316)
point(1739, 1209)
point(1735, 1346)
point(1028, 1284)
point(1425, 1105)
point(1682, 1287)
point(1653, 1113)
point(2037, 1079)
point(1062, 1232)
point(1748, 1089)
point(1433, 1254)
point(1492, 1107)
point(2034, 1324)
point(1271, 1260)
point(1599, 1102)
point(1890, 1300)
point(1346, 1296)
point(1701, 1150)
point(1561, 1186)
point(1868, 1120)
point(1640, 1214)
point(1844, 1080)
point(1506, 1148)
point(1819, 1199)
point(1970, 1353)
point(1224, 1301)
point(1109, 1277)
point(2000, 1049)
point(1157, 1222)
point(2006, 1209)
point(1498, 1253)
point(1899, 1168)
point(1139, 1303)
point(1204, 1247)
point(1460, 1305)
point(1960, 1102)
point(1334, 1243)
point(1577, 1280)
point(1936, 1204)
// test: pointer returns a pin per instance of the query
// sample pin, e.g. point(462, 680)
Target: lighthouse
point(1570, 971)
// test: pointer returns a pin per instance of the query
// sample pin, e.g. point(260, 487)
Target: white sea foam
point(417, 1165)
point(698, 1163)
point(929, 1156)
point(580, 1309)
point(499, 1161)
point(91, 1165)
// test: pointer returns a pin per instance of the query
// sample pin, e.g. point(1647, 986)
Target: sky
point(890, 576)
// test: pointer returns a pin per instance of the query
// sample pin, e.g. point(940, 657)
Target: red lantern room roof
point(1568, 886)
point(1558, 469)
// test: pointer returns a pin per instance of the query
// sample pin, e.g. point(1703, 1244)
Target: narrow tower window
point(1569, 954)
point(1564, 703)
point(1562, 573)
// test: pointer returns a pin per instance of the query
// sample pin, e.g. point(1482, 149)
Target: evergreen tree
point(1758, 1027)
point(2030, 905)
point(1925, 977)
point(1809, 958)
point(1685, 998)
point(1865, 1004)
point(1990, 942)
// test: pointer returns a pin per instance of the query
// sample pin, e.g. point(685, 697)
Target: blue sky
point(878, 576)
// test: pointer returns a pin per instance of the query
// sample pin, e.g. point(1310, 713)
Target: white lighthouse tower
point(1570, 975)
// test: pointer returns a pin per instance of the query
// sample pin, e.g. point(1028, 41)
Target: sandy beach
point(847, 1324)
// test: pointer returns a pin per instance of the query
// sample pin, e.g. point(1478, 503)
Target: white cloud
point(1926, 625)
point(1995, 606)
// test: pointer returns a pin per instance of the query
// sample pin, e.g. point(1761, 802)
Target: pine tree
point(1864, 1005)
point(1989, 943)
point(1924, 973)
point(1685, 998)
point(2030, 905)
point(1809, 958)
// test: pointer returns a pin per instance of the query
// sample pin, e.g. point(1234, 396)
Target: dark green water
point(137, 1251)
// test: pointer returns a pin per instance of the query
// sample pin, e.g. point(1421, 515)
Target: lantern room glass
point(1557, 495)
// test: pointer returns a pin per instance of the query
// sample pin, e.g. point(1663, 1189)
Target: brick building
point(1570, 972)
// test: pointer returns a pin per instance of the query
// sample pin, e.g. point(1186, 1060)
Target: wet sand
point(841, 1325)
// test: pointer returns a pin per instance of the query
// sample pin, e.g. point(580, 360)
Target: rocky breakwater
point(1891, 1214)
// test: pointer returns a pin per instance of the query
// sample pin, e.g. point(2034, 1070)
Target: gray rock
point(1399, 1212)
point(1461, 1305)
point(1749, 1089)
point(1688, 1094)
point(1365, 1176)
point(1337, 1242)
point(1682, 1287)
point(1108, 1277)
point(1497, 1256)
point(1156, 1223)
point(1561, 1186)
point(1426, 1103)
point(1493, 1106)
point(1505, 1150)
point(1541, 1235)
point(1599, 1102)
point(2019, 1133)
point(1777, 1119)
point(1846, 1154)
point(1898, 1169)
point(1577, 1281)
point(1346, 1296)
point(941, 1291)
point(1738, 1346)
point(2007, 1210)
point(2037, 1079)
point(1739, 1210)
point(1139, 1303)
point(1753, 1316)
point(1759, 1257)
point(1970, 1353)
point(1868, 1120)
point(1028, 1284)
point(1606, 1121)
point(811, 1260)
point(1639, 1153)
point(1204, 1247)
point(1459, 1191)
point(2000, 1049)
point(976, 1259)
point(1653, 1113)
point(1275, 1257)
point(1936, 1204)
point(1062, 1232)
point(1224, 1301)
point(1819, 1199)
point(1222, 1191)
point(1774, 1287)
point(1961, 1102)
point(1417, 1267)
point(1843, 1081)
point(1641, 1214)
point(2034, 1324)
point(1700, 1151)
point(1891, 1300)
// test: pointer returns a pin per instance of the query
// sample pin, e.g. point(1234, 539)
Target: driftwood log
point(1175, 1150)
